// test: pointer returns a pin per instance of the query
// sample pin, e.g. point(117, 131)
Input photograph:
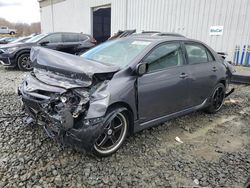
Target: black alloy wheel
point(24, 62)
point(217, 99)
point(113, 135)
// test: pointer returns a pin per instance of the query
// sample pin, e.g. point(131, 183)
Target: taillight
point(92, 40)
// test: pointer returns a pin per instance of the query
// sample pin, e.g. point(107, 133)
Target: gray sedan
point(121, 87)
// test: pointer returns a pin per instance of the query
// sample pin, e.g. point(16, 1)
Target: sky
point(26, 11)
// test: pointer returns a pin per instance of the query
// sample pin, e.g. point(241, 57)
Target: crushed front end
point(63, 94)
point(61, 112)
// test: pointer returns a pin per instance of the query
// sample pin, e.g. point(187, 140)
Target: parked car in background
point(18, 54)
point(20, 40)
point(6, 30)
point(6, 40)
point(121, 87)
point(23, 39)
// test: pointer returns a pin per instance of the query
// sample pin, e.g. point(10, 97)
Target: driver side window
point(165, 56)
point(54, 38)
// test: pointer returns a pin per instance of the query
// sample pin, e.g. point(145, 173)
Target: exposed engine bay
point(62, 102)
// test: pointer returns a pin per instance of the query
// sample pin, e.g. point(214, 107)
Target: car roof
point(65, 33)
point(158, 38)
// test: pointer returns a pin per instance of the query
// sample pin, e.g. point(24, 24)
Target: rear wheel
point(217, 99)
point(24, 62)
point(113, 134)
point(12, 33)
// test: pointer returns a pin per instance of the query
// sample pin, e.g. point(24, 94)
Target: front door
point(163, 89)
point(54, 41)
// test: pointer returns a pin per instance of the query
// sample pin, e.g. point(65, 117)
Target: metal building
point(222, 24)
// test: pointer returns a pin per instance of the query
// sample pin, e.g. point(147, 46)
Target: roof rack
point(150, 32)
point(169, 34)
point(158, 33)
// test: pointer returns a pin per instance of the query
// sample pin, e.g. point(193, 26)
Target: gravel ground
point(214, 153)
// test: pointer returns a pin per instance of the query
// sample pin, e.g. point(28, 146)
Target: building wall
point(192, 18)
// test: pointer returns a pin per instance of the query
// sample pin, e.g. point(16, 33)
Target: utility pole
point(52, 15)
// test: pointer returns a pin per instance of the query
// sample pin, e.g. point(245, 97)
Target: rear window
point(82, 37)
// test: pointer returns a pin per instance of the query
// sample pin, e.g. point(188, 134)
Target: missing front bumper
point(82, 135)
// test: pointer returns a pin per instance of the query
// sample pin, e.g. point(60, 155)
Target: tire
point(12, 33)
point(247, 184)
point(113, 135)
point(24, 63)
point(217, 99)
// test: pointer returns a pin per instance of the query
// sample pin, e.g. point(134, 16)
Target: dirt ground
point(214, 153)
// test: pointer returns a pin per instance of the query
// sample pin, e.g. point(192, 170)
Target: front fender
point(99, 102)
point(21, 52)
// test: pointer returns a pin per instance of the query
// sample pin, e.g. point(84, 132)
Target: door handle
point(183, 75)
point(214, 69)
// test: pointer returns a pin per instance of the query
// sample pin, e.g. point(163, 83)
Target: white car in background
point(6, 30)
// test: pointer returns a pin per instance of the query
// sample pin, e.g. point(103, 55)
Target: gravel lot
point(215, 152)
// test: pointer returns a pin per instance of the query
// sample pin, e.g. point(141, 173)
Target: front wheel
point(24, 62)
point(217, 99)
point(113, 135)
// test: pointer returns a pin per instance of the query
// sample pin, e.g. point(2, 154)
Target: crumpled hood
point(66, 70)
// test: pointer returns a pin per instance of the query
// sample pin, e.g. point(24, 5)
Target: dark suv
point(121, 87)
point(13, 55)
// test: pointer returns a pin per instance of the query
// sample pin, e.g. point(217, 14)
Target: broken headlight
point(93, 121)
point(70, 98)
point(82, 92)
point(9, 50)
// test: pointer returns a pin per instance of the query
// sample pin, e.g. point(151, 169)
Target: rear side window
point(198, 54)
point(70, 37)
point(164, 56)
point(54, 38)
point(82, 37)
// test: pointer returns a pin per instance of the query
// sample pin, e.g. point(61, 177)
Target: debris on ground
point(178, 139)
point(215, 154)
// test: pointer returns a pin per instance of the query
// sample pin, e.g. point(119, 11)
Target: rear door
point(202, 72)
point(70, 42)
point(163, 89)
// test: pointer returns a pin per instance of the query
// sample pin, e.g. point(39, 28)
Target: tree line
point(23, 29)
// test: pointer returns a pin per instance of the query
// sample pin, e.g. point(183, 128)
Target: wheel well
point(21, 53)
point(129, 113)
point(223, 82)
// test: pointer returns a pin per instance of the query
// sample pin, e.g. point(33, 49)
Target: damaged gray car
point(93, 102)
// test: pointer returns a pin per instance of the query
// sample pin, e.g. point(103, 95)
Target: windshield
point(22, 39)
point(118, 52)
point(2, 39)
point(36, 38)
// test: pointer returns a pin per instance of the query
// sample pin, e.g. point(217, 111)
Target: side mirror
point(141, 68)
point(44, 43)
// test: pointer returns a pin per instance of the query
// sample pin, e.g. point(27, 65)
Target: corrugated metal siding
point(192, 18)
